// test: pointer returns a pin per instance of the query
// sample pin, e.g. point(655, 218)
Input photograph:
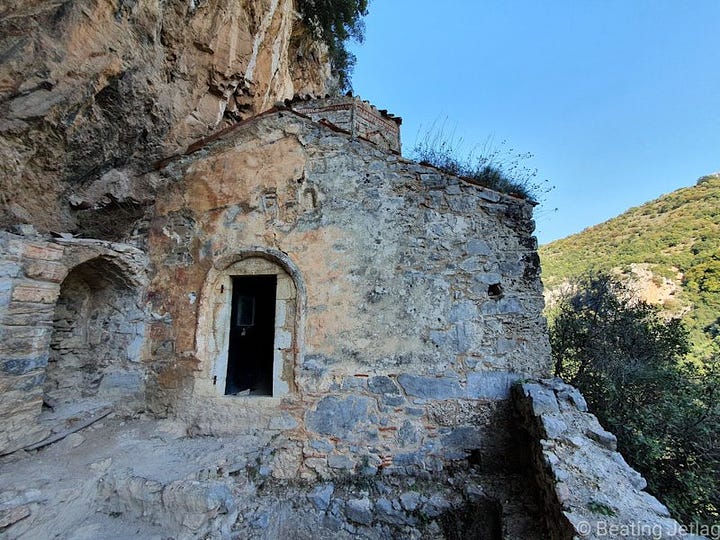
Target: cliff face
point(93, 91)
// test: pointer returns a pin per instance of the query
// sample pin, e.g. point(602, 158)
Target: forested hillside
point(676, 237)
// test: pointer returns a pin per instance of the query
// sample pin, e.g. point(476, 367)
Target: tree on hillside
point(628, 361)
point(676, 238)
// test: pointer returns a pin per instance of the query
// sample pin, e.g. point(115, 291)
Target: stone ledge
point(587, 487)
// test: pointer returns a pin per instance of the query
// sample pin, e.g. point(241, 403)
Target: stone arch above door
point(213, 328)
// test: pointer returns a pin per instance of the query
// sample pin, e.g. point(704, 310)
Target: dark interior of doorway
point(252, 336)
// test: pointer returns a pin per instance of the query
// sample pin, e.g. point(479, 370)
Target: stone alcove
point(98, 330)
point(217, 317)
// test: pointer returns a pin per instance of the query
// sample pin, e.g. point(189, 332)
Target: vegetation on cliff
point(627, 360)
point(677, 235)
point(334, 22)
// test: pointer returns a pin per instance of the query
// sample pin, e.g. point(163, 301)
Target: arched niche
point(219, 319)
point(97, 336)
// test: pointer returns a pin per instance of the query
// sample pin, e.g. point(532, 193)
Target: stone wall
point(98, 332)
point(87, 351)
point(589, 491)
point(408, 302)
point(29, 283)
point(355, 116)
point(419, 295)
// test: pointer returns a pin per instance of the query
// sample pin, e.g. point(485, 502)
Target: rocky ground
point(139, 477)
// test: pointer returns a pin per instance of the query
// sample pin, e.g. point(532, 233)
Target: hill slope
point(671, 244)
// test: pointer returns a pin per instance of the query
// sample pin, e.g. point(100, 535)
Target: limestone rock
point(360, 511)
point(436, 505)
point(320, 496)
point(338, 417)
point(410, 500)
point(89, 87)
point(490, 384)
point(13, 515)
point(430, 387)
point(602, 437)
point(586, 485)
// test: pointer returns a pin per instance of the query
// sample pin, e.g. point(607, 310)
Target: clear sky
point(618, 100)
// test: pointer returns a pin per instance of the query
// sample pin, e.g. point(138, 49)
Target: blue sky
point(617, 100)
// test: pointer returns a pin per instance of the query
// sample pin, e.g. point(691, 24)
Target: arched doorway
point(248, 328)
point(98, 329)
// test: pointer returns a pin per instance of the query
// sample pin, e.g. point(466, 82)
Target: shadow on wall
point(481, 520)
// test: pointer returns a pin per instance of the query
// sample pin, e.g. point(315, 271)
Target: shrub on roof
point(494, 165)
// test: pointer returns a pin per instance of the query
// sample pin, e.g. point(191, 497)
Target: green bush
point(629, 363)
point(334, 22)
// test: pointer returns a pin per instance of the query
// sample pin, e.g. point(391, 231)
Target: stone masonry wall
point(357, 117)
point(419, 298)
point(589, 491)
point(99, 329)
point(32, 269)
point(30, 275)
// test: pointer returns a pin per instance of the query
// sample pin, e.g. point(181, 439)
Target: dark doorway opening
point(252, 336)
